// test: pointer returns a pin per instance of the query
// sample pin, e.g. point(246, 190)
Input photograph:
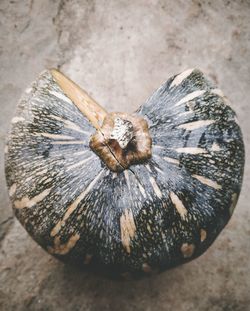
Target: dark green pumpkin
point(153, 215)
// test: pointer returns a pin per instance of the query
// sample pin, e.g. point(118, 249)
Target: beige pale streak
point(171, 160)
point(63, 249)
point(195, 125)
point(191, 150)
point(181, 209)
point(128, 228)
point(182, 76)
point(155, 187)
point(27, 202)
point(208, 182)
point(190, 96)
point(53, 136)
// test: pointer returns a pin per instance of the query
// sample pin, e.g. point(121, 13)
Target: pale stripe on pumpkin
point(180, 77)
point(190, 96)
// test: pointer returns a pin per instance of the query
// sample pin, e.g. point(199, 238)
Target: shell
point(150, 217)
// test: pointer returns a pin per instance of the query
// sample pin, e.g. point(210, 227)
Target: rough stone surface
point(120, 51)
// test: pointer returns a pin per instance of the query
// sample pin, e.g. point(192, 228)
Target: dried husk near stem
point(119, 193)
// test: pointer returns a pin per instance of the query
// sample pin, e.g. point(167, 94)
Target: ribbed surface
point(153, 215)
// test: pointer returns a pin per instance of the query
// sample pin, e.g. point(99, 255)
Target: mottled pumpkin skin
point(150, 217)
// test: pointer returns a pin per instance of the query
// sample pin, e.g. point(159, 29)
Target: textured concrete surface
point(120, 51)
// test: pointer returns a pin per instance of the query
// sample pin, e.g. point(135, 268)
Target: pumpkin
point(124, 193)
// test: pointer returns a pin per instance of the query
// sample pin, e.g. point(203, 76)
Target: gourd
point(124, 193)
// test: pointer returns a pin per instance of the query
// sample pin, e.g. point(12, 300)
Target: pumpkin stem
point(120, 139)
point(123, 132)
point(123, 140)
point(87, 105)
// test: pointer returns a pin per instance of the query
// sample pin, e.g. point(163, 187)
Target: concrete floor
point(120, 51)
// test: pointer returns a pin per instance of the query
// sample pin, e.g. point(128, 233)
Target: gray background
point(120, 51)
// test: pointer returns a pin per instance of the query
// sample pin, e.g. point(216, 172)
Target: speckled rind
point(150, 217)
